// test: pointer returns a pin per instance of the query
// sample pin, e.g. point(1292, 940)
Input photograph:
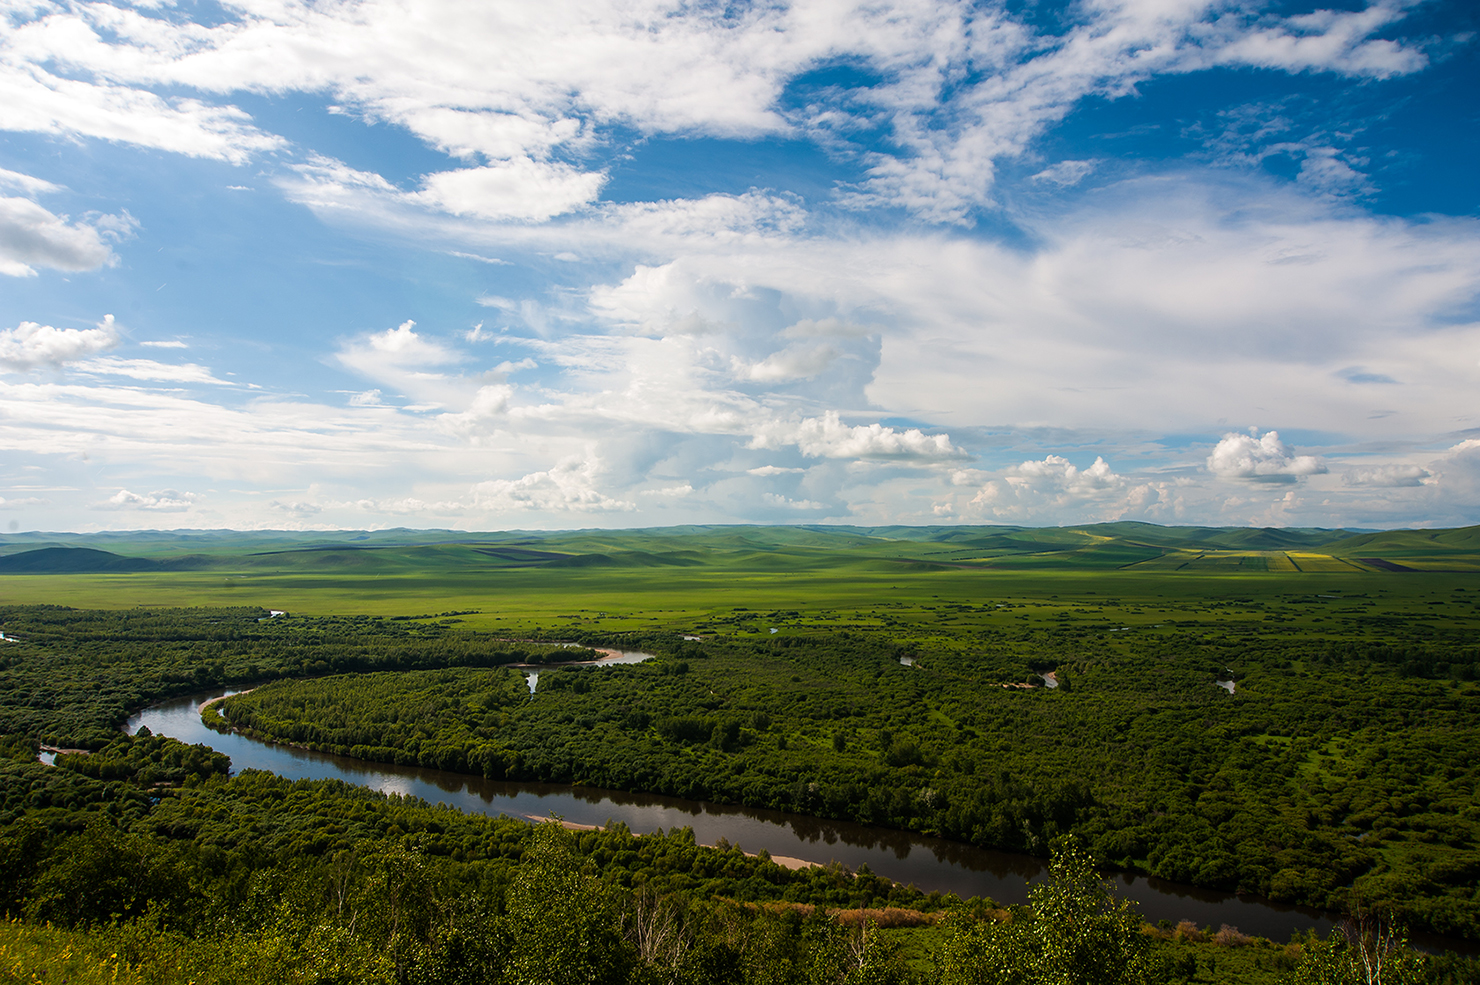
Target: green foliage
point(150, 760)
point(562, 925)
point(69, 677)
point(1299, 786)
point(1072, 933)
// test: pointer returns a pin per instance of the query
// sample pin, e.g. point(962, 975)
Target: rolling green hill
point(1093, 547)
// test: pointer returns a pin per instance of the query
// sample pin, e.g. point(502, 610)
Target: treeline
point(1307, 785)
point(70, 677)
point(257, 879)
point(1322, 783)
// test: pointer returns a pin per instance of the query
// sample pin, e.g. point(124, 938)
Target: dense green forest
point(1302, 736)
point(1332, 776)
point(256, 879)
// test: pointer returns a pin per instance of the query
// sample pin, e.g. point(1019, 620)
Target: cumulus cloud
point(1059, 474)
point(406, 359)
point(571, 486)
point(1386, 476)
point(31, 236)
point(31, 345)
point(791, 363)
point(1260, 459)
point(828, 437)
point(1055, 478)
point(489, 406)
point(1055, 489)
point(1456, 481)
point(786, 503)
point(159, 501)
point(520, 189)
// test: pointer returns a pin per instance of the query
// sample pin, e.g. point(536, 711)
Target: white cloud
point(159, 501)
point(31, 236)
point(791, 363)
point(1066, 173)
point(488, 408)
point(31, 345)
point(1059, 474)
point(672, 492)
point(1388, 476)
point(169, 344)
point(828, 437)
point(365, 398)
point(520, 189)
point(409, 361)
point(829, 327)
point(1053, 489)
point(1328, 40)
point(25, 184)
point(1262, 459)
point(491, 261)
point(1456, 483)
point(34, 100)
point(786, 503)
point(148, 369)
point(22, 503)
point(964, 85)
point(568, 487)
point(770, 470)
point(718, 218)
point(298, 508)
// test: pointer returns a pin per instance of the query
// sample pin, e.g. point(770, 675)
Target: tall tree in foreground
point(1073, 932)
point(1368, 949)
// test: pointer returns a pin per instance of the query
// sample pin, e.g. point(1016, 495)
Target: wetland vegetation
point(867, 674)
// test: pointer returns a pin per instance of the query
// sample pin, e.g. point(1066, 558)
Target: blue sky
point(492, 265)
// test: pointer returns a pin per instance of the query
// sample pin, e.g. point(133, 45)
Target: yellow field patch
point(1462, 563)
point(1305, 561)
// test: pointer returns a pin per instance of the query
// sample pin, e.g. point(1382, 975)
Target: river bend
point(931, 864)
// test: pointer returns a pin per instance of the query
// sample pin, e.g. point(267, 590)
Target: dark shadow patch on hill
point(626, 559)
point(86, 560)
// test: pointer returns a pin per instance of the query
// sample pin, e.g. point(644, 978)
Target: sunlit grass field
point(1108, 578)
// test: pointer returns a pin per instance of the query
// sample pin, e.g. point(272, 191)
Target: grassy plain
point(1137, 576)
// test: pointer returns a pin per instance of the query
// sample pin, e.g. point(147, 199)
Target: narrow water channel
point(931, 864)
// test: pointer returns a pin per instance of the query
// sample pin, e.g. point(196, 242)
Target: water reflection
point(931, 864)
point(610, 658)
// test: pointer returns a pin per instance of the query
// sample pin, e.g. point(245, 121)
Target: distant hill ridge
point(1117, 545)
point(86, 560)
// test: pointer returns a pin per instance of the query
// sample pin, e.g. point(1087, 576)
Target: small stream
point(931, 864)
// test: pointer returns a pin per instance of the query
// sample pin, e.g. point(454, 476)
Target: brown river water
point(931, 864)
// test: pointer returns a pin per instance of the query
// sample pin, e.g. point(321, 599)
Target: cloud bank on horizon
point(372, 263)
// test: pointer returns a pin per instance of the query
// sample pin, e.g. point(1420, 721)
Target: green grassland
point(1134, 574)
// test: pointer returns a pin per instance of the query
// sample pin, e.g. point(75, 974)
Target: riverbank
point(931, 864)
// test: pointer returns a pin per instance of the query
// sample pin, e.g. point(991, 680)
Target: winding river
point(931, 864)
